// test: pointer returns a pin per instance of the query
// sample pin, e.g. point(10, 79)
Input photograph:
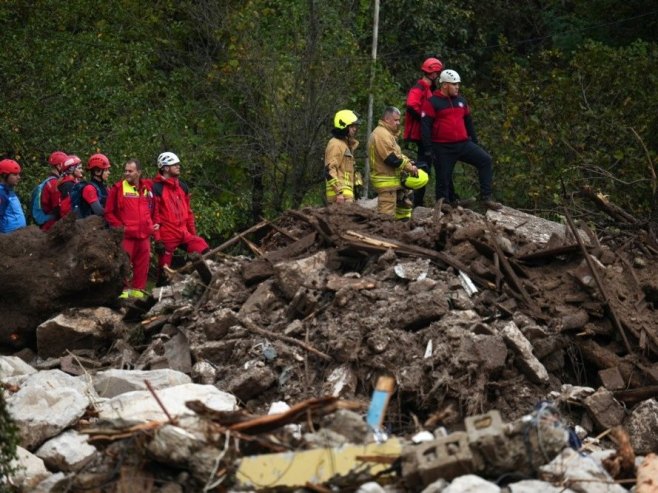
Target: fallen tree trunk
point(75, 264)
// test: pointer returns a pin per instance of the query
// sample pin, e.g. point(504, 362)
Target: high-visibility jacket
point(386, 158)
point(130, 207)
point(173, 211)
point(339, 164)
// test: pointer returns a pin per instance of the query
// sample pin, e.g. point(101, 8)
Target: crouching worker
point(173, 214)
point(130, 206)
point(388, 163)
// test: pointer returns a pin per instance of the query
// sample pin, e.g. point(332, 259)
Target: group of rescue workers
point(145, 209)
point(438, 121)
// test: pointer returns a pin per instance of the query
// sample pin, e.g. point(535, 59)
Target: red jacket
point(50, 199)
point(130, 208)
point(417, 95)
point(172, 208)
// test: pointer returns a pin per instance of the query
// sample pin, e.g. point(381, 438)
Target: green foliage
point(9, 442)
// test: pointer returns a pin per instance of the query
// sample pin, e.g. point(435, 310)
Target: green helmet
point(345, 118)
point(416, 182)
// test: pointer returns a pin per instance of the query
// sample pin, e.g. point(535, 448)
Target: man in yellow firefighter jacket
point(393, 174)
point(339, 158)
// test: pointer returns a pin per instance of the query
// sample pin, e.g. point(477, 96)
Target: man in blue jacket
point(11, 212)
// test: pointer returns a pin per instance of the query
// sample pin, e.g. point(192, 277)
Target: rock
point(471, 484)
point(174, 445)
point(415, 270)
point(370, 487)
point(176, 355)
point(349, 424)
point(12, 366)
point(582, 473)
point(489, 352)
point(536, 486)
point(647, 475)
point(428, 307)
point(260, 300)
point(203, 372)
point(436, 487)
point(111, 383)
point(30, 470)
point(87, 329)
point(67, 452)
point(251, 382)
point(604, 410)
point(309, 272)
point(216, 326)
point(527, 362)
point(642, 427)
point(216, 352)
point(47, 403)
point(56, 483)
point(139, 406)
point(341, 382)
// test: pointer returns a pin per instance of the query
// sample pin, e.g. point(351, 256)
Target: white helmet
point(449, 76)
point(167, 159)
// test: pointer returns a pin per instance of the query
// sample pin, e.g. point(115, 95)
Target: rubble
point(502, 333)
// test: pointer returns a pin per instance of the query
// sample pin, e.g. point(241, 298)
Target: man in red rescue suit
point(50, 196)
point(416, 96)
point(449, 136)
point(130, 206)
point(173, 215)
point(339, 160)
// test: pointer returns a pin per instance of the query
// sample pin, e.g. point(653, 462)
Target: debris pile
point(509, 340)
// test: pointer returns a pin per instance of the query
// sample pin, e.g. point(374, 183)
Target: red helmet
point(432, 65)
point(9, 167)
point(71, 163)
point(57, 158)
point(98, 161)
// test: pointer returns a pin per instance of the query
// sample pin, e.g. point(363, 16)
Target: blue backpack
point(79, 206)
point(36, 211)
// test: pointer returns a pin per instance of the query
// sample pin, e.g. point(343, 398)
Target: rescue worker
point(416, 96)
point(94, 194)
point(130, 206)
point(339, 160)
point(71, 175)
point(50, 196)
point(11, 212)
point(449, 136)
point(173, 216)
point(390, 167)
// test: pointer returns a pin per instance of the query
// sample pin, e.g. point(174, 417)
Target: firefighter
point(130, 206)
point(339, 160)
point(388, 163)
point(173, 216)
point(11, 212)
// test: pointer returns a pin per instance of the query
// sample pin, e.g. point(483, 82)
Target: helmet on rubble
point(449, 76)
point(57, 158)
point(431, 65)
point(416, 182)
point(98, 161)
point(70, 164)
point(9, 167)
point(167, 159)
point(345, 118)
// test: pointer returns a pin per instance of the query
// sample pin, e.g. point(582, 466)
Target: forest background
point(563, 92)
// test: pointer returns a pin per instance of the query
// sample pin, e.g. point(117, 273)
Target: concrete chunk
point(527, 361)
point(111, 383)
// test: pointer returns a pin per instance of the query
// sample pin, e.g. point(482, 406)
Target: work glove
point(159, 248)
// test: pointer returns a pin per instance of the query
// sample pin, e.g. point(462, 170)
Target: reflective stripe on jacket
point(383, 143)
point(339, 165)
point(131, 208)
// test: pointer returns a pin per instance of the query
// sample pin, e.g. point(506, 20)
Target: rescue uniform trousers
point(191, 243)
point(445, 157)
point(139, 251)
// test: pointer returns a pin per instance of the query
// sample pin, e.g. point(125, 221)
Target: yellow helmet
point(416, 182)
point(345, 118)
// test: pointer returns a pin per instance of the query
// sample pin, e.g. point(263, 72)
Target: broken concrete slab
point(29, 470)
point(251, 382)
point(13, 366)
point(583, 473)
point(526, 361)
point(471, 484)
point(604, 409)
point(309, 272)
point(86, 329)
point(642, 427)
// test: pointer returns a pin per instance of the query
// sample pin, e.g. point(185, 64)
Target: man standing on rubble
point(173, 216)
point(339, 162)
point(393, 175)
point(94, 193)
point(449, 136)
point(11, 212)
point(130, 206)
